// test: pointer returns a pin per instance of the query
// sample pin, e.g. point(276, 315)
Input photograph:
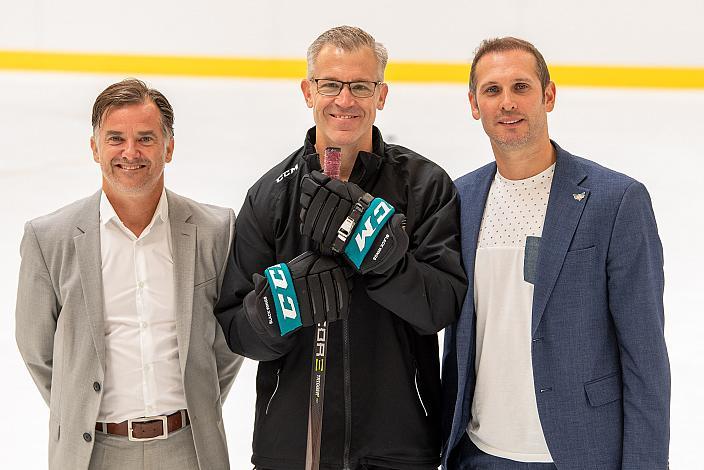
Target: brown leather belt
point(151, 427)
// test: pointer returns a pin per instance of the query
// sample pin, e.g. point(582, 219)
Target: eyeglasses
point(334, 87)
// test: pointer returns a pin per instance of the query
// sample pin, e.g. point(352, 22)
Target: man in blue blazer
point(558, 359)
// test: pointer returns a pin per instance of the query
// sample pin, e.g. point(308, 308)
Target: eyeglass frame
point(317, 88)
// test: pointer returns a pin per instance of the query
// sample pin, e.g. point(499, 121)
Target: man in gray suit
point(115, 305)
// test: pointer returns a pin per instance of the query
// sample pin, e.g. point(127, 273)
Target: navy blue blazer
point(600, 365)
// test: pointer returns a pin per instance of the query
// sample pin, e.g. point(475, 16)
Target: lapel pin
point(580, 196)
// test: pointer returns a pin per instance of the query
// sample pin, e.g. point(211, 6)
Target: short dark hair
point(505, 44)
point(132, 91)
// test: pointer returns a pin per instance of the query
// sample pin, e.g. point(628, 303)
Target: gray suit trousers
point(112, 452)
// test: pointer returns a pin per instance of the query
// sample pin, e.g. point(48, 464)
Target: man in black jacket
point(377, 249)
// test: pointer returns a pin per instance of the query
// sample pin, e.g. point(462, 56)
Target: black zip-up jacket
point(382, 390)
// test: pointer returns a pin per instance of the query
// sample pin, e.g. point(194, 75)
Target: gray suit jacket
point(60, 324)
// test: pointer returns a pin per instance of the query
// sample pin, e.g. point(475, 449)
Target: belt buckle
point(164, 428)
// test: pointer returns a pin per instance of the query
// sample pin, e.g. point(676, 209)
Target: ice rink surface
point(229, 132)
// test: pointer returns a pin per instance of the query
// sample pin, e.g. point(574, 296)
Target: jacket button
point(87, 437)
point(96, 386)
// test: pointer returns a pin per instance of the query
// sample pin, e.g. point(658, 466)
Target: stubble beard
point(513, 143)
point(122, 185)
point(509, 142)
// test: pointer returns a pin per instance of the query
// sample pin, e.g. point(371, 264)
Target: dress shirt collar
point(107, 212)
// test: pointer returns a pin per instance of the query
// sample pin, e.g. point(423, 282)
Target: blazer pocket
point(604, 390)
point(207, 282)
point(582, 252)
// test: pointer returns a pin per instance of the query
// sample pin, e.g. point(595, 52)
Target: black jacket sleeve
point(252, 252)
point(427, 288)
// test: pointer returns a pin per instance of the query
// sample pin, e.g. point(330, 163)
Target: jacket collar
point(184, 236)
point(366, 166)
point(87, 244)
point(568, 197)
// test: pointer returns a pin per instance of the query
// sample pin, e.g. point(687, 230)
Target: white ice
point(228, 132)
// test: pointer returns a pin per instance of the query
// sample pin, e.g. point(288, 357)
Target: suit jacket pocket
point(207, 282)
point(604, 390)
point(581, 253)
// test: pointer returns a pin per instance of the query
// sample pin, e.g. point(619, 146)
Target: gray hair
point(348, 38)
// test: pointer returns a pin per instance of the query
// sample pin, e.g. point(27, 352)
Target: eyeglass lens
point(334, 87)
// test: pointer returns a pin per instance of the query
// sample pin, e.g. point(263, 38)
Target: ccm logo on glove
point(309, 289)
point(342, 218)
point(367, 230)
point(286, 303)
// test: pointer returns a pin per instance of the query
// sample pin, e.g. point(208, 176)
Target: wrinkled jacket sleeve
point(636, 283)
point(427, 288)
point(252, 252)
point(228, 364)
point(36, 314)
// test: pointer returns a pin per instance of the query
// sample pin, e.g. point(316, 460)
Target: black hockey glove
point(344, 219)
point(309, 289)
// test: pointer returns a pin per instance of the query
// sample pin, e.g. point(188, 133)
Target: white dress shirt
point(142, 371)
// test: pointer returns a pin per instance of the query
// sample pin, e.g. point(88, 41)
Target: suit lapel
point(472, 206)
point(473, 194)
point(472, 202)
point(565, 206)
point(87, 244)
point(183, 235)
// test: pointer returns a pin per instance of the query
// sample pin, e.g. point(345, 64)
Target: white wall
point(634, 32)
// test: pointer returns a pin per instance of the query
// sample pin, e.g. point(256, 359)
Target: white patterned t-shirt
point(505, 420)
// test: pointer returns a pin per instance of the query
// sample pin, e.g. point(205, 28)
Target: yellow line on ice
point(276, 68)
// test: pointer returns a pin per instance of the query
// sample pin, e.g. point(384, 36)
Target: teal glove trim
point(366, 231)
point(284, 295)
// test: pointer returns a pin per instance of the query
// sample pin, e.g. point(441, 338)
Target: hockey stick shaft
point(317, 396)
point(331, 166)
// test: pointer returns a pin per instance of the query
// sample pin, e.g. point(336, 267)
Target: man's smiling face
point(510, 101)
point(344, 120)
point(131, 148)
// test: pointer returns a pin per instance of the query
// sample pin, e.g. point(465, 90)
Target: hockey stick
point(317, 394)
point(331, 167)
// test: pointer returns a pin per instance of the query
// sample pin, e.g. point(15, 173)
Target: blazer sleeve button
point(87, 437)
point(96, 386)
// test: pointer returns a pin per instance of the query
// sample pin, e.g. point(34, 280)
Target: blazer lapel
point(183, 235)
point(87, 244)
point(565, 206)
point(472, 202)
